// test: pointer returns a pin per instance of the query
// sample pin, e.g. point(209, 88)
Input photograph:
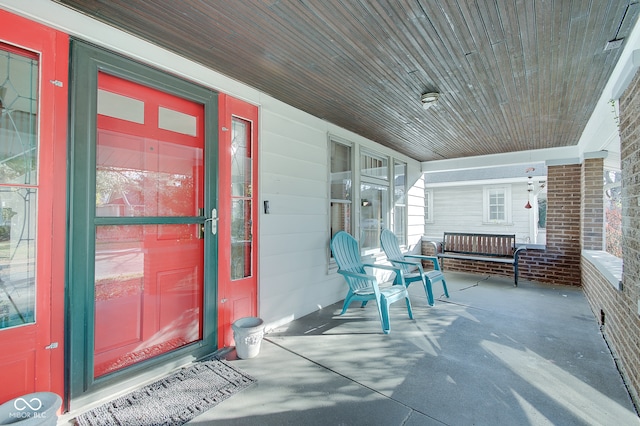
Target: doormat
point(174, 400)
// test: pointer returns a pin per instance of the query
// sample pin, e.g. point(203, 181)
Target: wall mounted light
point(429, 99)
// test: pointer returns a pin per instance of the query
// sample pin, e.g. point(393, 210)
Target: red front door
point(33, 93)
point(238, 243)
point(149, 249)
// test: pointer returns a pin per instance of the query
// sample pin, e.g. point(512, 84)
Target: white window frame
point(402, 203)
point(487, 191)
point(428, 209)
point(358, 177)
point(354, 190)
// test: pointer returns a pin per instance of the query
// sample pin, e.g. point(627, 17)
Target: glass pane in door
point(137, 176)
point(17, 256)
point(241, 205)
point(18, 185)
point(241, 239)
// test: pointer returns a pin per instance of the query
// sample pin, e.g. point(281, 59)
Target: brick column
point(593, 204)
point(559, 263)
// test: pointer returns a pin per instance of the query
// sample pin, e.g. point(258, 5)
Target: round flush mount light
point(428, 99)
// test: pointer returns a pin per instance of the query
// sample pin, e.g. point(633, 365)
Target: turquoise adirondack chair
point(363, 286)
point(413, 271)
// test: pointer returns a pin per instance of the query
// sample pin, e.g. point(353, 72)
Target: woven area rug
point(174, 400)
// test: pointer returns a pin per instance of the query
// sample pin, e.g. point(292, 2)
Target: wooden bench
point(499, 248)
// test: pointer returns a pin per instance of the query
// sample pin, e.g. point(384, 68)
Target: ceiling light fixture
point(613, 44)
point(429, 99)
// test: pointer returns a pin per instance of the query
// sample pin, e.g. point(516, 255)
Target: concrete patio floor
point(491, 354)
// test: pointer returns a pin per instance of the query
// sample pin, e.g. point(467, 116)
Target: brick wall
point(619, 308)
point(559, 263)
point(621, 327)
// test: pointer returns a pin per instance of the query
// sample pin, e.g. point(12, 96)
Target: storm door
point(148, 273)
point(150, 224)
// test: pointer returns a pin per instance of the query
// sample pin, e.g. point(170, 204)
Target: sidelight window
point(18, 185)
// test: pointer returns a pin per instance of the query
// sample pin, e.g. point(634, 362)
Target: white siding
point(459, 209)
point(293, 172)
point(415, 207)
point(294, 236)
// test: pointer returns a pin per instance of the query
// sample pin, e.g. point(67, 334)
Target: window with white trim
point(364, 199)
point(497, 205)
point(341, 187)
point(400, 201)
point(428, 205)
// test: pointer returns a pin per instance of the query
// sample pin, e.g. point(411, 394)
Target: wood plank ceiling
point(512, 75)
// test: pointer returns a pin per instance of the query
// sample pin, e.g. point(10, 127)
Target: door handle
point(214, 221)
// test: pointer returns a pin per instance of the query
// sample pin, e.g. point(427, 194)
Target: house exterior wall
point(293, 175)
point(460, 208)
point(296, 277)
point(618, 310)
